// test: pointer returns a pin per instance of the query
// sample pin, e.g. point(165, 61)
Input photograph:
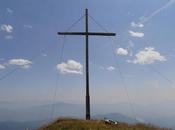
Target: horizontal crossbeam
point(87, 33)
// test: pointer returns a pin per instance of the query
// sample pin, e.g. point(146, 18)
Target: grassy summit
point(74, 124)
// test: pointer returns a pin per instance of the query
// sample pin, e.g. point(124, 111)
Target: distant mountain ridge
point(11, 125)
point(61, 109)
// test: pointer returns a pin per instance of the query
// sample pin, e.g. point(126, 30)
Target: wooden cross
point(87, 34)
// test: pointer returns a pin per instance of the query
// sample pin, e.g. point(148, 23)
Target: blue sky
point(145, 39)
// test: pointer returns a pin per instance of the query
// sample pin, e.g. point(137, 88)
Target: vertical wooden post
point(87, 69)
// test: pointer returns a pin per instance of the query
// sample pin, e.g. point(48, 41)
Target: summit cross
point(87, 34)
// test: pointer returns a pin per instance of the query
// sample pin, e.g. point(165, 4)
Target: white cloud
point(8, 37)
point(71, 66)
point(110, 68)
point(23, 63)
point(135, 25)
point(148, 56)
point(121, 51)
point(2, 67)
point(136, 34)
point(28, 26)
point(6, 28)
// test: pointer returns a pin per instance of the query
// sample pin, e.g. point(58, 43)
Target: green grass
point(75, 124)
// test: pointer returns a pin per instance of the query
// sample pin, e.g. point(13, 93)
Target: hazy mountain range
point(15, 118)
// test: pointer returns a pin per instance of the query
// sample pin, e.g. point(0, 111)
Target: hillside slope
point(74, 124)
